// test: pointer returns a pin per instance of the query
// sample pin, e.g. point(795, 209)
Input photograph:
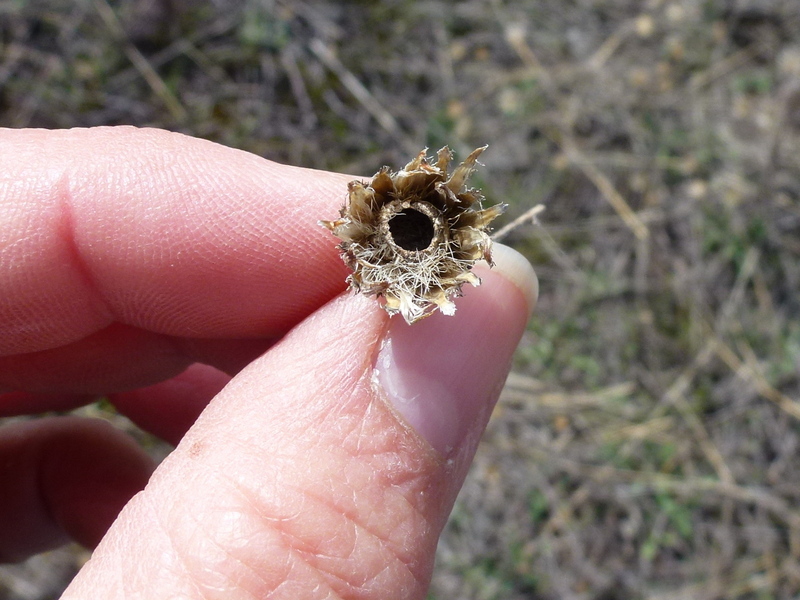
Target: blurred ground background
point(646, 445)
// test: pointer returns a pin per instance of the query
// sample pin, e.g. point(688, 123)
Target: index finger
point(160, 231)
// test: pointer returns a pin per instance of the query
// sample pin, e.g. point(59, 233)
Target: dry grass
point(647, 445)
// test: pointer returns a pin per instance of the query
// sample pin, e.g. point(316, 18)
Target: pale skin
point(155, 270)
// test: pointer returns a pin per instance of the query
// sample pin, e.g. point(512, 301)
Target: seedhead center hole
point(411, 229)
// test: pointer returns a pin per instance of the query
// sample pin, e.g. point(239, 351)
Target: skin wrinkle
point(293, 209)
point(158, 179)
point(230, 555)
point(359, 529)
point(351, 513)
point(58, 194)
point(384, 541)
point(342, 511)
point(243, 493)
point(401, 479)
point(63, 193)
point(82, 269)
point(168, 536)
point(291, 551)
point(346, 368)
point(315, 560)
point(24, 234)
point(364, 386)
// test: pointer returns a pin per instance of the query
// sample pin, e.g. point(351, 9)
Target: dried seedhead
point(414, 236)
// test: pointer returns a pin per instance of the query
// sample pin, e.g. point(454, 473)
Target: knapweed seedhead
point(413, 236)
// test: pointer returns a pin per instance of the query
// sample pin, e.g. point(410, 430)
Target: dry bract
point(413, 236)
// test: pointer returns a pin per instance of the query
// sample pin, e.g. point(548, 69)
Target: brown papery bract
point(412, 237)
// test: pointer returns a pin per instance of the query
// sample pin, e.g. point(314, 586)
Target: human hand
point(132, 259)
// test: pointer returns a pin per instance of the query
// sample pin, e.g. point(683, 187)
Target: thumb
point(327, 468)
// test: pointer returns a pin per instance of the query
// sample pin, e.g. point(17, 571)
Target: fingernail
point(443, 374)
